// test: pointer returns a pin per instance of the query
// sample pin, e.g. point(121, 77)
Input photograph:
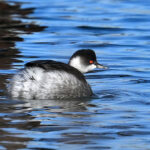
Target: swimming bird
point(49, 79)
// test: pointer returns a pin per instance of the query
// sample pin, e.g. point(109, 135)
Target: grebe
point(48, 79)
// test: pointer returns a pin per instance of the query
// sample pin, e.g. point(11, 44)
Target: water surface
point(117, 118)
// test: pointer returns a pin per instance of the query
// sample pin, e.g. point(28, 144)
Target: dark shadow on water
point(11, 29)
point(8, 138)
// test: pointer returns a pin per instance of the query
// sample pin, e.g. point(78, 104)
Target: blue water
point(118, 117)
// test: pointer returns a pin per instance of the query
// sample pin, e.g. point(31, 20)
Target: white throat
point(77, 63)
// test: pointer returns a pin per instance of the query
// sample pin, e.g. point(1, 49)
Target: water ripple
point(117, 115)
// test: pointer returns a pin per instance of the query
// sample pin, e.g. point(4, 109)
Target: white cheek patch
point(77, 63)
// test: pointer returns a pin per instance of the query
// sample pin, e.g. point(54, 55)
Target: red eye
point(91, 61)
